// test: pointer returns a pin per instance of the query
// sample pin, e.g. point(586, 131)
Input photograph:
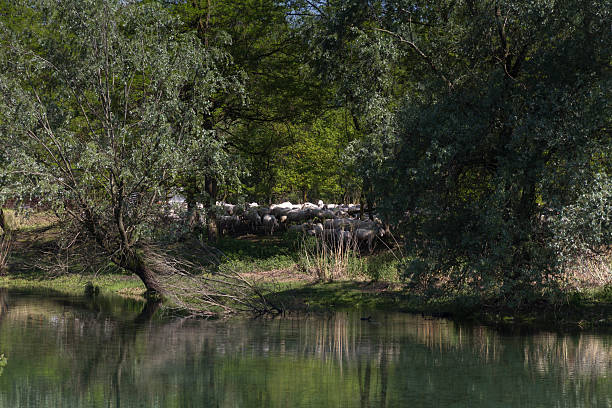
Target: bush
point(382, 267)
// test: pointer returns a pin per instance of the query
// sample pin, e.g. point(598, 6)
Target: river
point(116, 352)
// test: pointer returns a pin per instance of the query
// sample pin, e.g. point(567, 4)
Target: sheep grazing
point(281, 209)
point(330, 221)
point(269, 223)
point(326, 214)
point(253, 219)
point(262, 211)
point(367, 236)
point(297, 216)
point(299, 228)
point(229, 208)
point(344, 237)
point(228, 223)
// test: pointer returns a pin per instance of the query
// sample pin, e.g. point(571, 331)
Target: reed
point(330, 257)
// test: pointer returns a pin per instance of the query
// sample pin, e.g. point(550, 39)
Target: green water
point(62, 352)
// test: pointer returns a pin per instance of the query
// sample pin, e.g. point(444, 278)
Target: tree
point(369, 75)
point(517, 133)
point(497, 158)
point(102, 110)
point(312, 165)
point(282, 94)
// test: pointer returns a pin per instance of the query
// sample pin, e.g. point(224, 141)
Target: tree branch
point(427, 59)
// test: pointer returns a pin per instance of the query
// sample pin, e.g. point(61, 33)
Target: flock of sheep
point(341, 223)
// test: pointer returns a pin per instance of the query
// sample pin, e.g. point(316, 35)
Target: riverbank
point(589, 310)
point(275, 265)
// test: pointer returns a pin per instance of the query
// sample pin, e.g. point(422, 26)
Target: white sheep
point(269, 223)
point(253, 219)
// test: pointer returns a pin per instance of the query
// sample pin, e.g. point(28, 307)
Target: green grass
point(72, 284)
point(257, 254)
point(260, 254)
point(255, 247)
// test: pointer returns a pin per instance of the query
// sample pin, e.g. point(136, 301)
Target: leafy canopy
point(102, 104)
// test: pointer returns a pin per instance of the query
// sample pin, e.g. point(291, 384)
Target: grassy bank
point(74, 284)
point(277, 264)
point(587, 310)
point(295, 295)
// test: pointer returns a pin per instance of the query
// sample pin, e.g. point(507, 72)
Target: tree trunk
point(211, 217)
point(135, 263)
point(191, 192)
point(3, 224)
point(192, 210)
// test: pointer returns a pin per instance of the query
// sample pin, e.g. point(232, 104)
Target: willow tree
point(504, 168)
point(496, 158)
point(102, 104)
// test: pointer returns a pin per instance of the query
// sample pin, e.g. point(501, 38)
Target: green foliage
point(496, 162)
point(583, 226)
point(308, 162)
point(382, 267)
point(103, 103)
point(282, 98)
point(491, 171)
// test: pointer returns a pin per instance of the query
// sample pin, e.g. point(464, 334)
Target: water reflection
point(3, 302)
point(114, 352)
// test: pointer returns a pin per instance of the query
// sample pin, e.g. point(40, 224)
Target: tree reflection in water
point(3, 302)
point(115, 352)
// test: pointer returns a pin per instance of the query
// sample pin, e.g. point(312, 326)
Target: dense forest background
point(479, 130)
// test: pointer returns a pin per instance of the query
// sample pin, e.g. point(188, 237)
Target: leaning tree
point(102, 102)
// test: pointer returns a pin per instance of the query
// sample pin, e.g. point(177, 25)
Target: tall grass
point(329, 258)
